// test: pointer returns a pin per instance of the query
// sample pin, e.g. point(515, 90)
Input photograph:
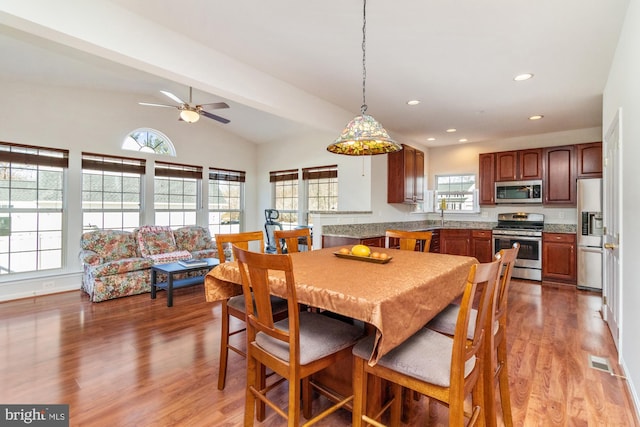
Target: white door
point(611, 292)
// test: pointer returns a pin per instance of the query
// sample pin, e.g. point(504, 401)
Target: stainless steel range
point(526, 229)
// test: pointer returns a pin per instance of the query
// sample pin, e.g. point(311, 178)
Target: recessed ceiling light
point(523, 77)
point(451, 130)
point(463, 140)
point(431, 139)
point(536, 117)
point(413, 102)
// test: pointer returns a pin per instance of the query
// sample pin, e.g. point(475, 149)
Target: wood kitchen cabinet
point(486, 179)
point(559, 257)
point(405, 176)
point(455, 241)
point(481, 247)
point(435, 241)
point(590, 160)
point(559, 164)
point(518, 165)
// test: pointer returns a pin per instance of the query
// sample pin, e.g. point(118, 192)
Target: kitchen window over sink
point(456, 193)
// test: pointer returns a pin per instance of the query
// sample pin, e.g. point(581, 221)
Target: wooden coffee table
point(173, 268)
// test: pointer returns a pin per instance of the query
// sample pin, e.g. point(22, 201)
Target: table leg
point(154, 276)
point(170, 290)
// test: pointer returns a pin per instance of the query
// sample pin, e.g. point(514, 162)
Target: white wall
point(98, 121)
point(623, 90)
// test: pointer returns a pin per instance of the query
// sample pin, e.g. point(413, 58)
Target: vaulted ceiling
point(459, 59)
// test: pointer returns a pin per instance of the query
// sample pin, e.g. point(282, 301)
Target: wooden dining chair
point(294, 348)
point(409, 239)
point(234, 306)
point(496, 371)
point(441, 367)
point(292, 239)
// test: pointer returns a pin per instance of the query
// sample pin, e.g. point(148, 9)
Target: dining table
point(396, 296)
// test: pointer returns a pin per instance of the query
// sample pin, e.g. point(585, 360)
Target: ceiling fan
point(191, 113)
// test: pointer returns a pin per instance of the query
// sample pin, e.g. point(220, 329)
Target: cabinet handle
point(610, 246)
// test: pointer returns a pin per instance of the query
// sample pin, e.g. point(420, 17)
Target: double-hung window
point(31, 207)
point(111, 192)
point(176, 194)
point(321, 185)
point(226, 200)
point(285, 196)
point(456, 193)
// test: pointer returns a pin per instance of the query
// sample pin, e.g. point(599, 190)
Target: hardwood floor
point(136, 362)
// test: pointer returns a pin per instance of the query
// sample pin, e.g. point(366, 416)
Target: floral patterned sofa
point(118, 263)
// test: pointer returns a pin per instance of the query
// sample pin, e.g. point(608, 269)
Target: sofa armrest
point(90, 257)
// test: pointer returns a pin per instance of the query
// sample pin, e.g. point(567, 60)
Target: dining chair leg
point(359, 392)
point(307, 398)
point(250, 398)
point(294, 404)
point(489, 386)
point(224, 346)
point(503, 381)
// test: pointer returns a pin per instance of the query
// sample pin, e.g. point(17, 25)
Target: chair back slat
point(409, 239)
point(292, 239)
point(508, 259)
point(241, 240)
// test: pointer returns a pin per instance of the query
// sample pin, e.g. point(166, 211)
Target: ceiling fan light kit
point(364, 136)
point(189, 116)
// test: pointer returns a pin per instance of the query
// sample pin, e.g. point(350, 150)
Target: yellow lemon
point(361, 250)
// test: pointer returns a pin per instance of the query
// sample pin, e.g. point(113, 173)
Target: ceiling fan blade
point(213, 105)
point(214, 117)
point(156, 105)
point(172, 96)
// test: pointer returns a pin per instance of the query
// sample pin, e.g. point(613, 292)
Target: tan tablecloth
point(398, 297)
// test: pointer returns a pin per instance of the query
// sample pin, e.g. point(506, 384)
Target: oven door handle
point(512, 237)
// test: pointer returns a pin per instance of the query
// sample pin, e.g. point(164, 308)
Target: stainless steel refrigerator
point(589, 240)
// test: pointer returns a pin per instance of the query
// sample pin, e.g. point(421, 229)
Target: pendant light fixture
point(364, 136)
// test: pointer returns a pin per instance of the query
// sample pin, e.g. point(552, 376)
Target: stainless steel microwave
point(519, 192)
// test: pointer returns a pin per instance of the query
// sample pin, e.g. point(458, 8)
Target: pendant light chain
point(363, 108)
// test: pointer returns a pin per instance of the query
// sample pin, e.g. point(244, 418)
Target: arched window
point(149, 141)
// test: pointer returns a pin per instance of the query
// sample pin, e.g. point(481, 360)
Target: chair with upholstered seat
point(294, 348)
point(443, 368)
point(234, 306)
point(292, 239)
point(496, 356)
point(409, 239)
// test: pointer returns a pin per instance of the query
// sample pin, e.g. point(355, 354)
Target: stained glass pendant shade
point(364, 136)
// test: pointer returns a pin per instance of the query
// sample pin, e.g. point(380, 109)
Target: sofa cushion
point(121, 266)
point(109, 245)
point(193, 238)
point(155, 239)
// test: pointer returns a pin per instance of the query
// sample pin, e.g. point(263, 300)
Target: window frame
point(320, 176)
point(229, 178)
point(118, 168)
point(178, 177)
point(447, 204)
point(34, 163)
point(281, 181)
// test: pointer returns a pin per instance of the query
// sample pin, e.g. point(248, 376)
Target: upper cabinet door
point(530, 164)
point(507, 166)
point(590, 160)
point(560, 175)
point(486, 179)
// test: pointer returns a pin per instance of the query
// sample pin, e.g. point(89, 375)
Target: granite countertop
point(365, 231)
